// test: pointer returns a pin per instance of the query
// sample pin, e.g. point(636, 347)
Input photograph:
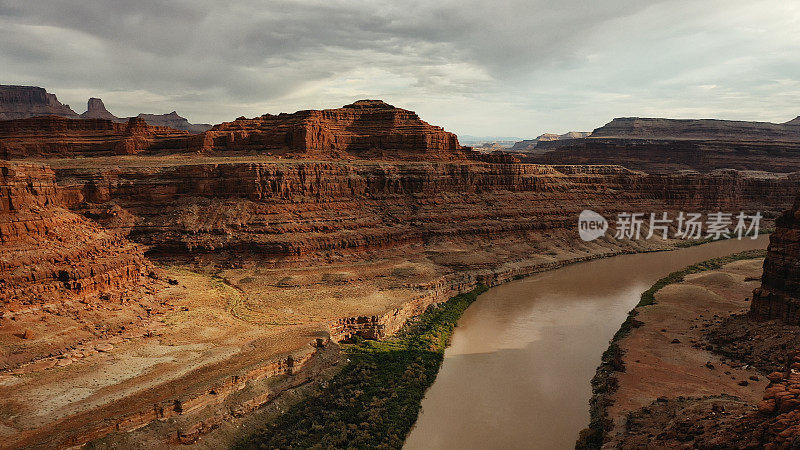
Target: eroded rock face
point(97, 110)
point(305, 208)
point(778, 421)
point(528, 145)
point(173, 120)
point(669, 156)
point(52, 136)
point(48, 252)
point(779, 294)
point(699, 129)
point(366, 128)
point(20, 102)
point(669, 145)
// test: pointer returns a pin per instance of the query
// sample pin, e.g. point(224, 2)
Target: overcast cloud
point(475, 67)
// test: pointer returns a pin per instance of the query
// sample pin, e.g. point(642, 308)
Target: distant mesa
point(53, 136)
point(699, 129)
point(657, 145)
point(365, 129)
point(530, 144)
point(173, 120)
point(23, 102)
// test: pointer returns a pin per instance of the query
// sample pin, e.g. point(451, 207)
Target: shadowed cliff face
point(699, 129)
point(667, 145)
point(20, 102)
point(51, 136)
point(779, 294)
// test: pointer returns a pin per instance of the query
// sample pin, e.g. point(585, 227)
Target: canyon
point(161, 286)
point(729, 376)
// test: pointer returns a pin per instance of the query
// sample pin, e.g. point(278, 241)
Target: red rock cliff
point(302, 208)
point(366, 128)
point(779, 294)
point(51, 136)
point(46, 251)
point(667, 145)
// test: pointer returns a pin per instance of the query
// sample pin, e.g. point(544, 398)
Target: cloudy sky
point(512, 68)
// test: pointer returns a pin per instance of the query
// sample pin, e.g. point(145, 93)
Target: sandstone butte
point(668, 145)
point(364, 129)
point(149, 276)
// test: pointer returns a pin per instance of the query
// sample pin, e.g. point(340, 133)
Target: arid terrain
point(161, 287)
point(712, 363)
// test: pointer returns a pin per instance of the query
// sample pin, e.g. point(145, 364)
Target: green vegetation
point(374, 401)
point(692, 242)
point(604, 383)
point(648, 297)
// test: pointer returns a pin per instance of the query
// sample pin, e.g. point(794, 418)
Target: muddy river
point(517, 373)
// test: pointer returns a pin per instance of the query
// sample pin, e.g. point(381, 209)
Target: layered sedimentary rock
point(669, 156)
point(48, 251)
point(779, 294)
point(667, 145)
point(336, 248)
point(20, 102)
point(173, 120)
point(296, 208)
point(366, 128)
point(95, 109)
point(52, 136)
point(699, 129)
point(528, 145)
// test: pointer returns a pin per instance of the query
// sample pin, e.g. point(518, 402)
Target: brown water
point(517, 373)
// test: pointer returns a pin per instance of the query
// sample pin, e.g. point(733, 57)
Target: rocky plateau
point(669, 145)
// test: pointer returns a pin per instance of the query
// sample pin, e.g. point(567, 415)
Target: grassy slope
point(604, 383)
point(374, 401)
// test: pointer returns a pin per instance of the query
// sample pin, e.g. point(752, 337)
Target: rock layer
point(779, 294)
point(366, 128)
point(173, 120)
point(303, 208)
point(52, 136)
point(21, 102)
point(49, 252)
point(698, 129)
point(668, 145)
point(669, 156)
